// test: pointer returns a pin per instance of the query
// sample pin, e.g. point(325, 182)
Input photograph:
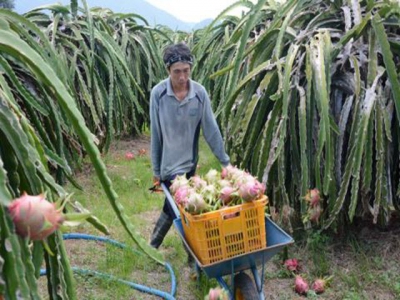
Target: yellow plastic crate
point(227, 232)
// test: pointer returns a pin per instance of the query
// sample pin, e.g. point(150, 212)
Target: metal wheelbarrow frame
point(277, 239)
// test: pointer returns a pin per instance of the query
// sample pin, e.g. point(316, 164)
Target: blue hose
point(141, 288)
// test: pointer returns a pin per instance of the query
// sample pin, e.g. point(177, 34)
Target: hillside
point(151, 13)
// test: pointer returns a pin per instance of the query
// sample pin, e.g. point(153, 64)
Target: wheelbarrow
point(242, 286)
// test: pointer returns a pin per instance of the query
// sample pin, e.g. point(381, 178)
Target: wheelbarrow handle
point(170, 200)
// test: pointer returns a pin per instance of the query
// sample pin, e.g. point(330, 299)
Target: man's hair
point(177, 52)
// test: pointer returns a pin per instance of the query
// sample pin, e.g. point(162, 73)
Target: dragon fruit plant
point(231, 186)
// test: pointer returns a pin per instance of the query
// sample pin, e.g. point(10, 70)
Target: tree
point(9, 4)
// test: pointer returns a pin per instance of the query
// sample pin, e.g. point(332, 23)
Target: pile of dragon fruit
point(215, 190)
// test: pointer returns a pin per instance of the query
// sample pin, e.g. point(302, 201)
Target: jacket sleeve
point(155, 133)
point(211, 132)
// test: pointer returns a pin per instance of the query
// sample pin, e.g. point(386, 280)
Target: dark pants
point(167, 207)
point(166, 218)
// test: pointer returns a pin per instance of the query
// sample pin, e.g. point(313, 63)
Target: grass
point(363, 266)
point(131, 180)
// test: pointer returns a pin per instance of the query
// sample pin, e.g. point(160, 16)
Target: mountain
point(202, 24)
point(152, 14)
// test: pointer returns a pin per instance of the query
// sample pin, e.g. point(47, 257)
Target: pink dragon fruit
point(197, 182)
point(129, 155)
point(182, 194)
point(177, 183)
point(227, 194)
point(313, 196)
point(230, 172)
point(224, 173)
point(217, 294)
point(315, 213)
point(242, 178)
point(251, 190)
point(292, 264)
point(230, 186)
point(35, 217)
point(320, 284)
point(300, 285)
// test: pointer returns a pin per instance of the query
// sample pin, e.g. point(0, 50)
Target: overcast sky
point(192, 10)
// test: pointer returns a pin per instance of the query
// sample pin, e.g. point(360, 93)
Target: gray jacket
point(175, 129)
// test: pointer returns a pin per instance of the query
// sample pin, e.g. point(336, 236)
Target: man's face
point(179, 73)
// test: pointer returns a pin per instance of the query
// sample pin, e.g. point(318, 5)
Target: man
point(179, 107)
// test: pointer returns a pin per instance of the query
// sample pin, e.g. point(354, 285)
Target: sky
point(193, 10)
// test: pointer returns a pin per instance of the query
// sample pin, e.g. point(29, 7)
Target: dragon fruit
point(300, 285)
point(250, 190)
point(224, 183)
point(231, 186)
point(315, 212)
point(195, 203)
point(142, 152)
point(129, 155)
point(292, 264)
point(35, 217)
point(231, 173)
point(210, 193)
point(197, 182)
point(227, 194)
point(313, 196)
point(242, 178)
point(224, 173)
point(217, 294)
point(182, 194)
point(212, 176)
point(320, 284)
point(177, 183)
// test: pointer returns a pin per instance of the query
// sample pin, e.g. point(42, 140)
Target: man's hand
point(156, 185)
point(156, 180)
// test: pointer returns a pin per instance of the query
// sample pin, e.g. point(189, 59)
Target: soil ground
point(370, 251)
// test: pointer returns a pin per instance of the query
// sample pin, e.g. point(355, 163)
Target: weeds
point(316, 245)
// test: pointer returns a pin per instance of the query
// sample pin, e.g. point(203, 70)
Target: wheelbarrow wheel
point(245, 288)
